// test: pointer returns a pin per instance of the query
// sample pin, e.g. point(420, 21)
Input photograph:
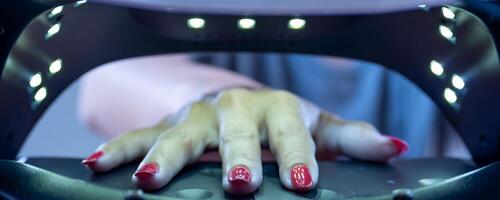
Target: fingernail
point(147, 170)
point(240, 174)
point(301, 177)
point(92, 158)
point(401, 146)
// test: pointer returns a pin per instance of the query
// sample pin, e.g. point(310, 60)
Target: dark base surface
point(338, 180)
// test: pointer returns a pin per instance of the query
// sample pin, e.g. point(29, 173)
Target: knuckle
point(297, 156)
point(188, 145)
point(299, 143)
point(290, 130)
point(182, 135)
point(126, 139)
point(230, 97)
point(232, 134)
point(199, 106)
point(181, 138)
point(169, 163)
point(241, 158)
point(285, 95)
point(186, 141)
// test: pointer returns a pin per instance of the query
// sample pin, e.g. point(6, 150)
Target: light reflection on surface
point(196, 23)
point(55, 66)
point(296, 23)
point(457, 82)
point(40, 94)
point(445, 32)
point(423, 7)
point(53, 30)
point(436, 68)
point(80, 2)
point(447, 13)
point(57, 10)
point(246, 23)
point(429, 181)
point(36, 80)
point(450, 96)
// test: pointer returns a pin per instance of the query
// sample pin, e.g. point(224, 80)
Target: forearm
point(136, 93)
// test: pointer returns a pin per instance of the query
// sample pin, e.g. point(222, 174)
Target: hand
point(238, 121)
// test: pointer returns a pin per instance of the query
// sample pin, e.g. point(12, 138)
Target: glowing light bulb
point(55, 66)
point(446, 32)
point(36, 80)
point(296, 23)
point(450, 96)
point(429, 181)
point(447, 13)
point(56, 11)
point(196, 23)
point(40, 94)
point(457, 82)
point(53, 30)
point(422, 6)
point(246, 23)
point(80, 2)
point(436, 68)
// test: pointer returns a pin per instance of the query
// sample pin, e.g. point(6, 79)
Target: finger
point(239, 147)
point(175, 148)
point(356, 139)
point(123, 149)
point(292, 144)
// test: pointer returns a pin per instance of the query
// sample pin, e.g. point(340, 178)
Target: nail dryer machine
point(446, 48)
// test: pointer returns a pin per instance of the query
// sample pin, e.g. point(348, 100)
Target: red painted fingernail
point(240, 174)
point(301, 177)
point(401, 146)
point(92, 158)
point(147, 170)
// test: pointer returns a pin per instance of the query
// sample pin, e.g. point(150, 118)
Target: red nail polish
point(147, 170)
point(400, 145)
point(301, 177)
point(240, 174)
point(92, 158)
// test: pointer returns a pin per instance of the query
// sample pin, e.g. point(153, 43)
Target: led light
point(55, 66)
point(449, 95)
point(80, 2)
point(196, 23)
point(56, 11)
point(429, 181)
point(457, 82)
point(296, 23)
point(40, 94)
point(53, 30)
point(246, 23)
point(447, 13)
point(422, 6)
point(446, 32)
point(436, 68)
point(36, 80)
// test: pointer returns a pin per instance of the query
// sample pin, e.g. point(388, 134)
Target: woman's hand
point(238, 121)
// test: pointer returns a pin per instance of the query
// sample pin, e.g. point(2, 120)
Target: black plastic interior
point(404, 41)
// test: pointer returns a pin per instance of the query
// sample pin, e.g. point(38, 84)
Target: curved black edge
point(493, 24)
point(41, 184)
point(15, 16)
point(478, 184)
point(481, 183)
